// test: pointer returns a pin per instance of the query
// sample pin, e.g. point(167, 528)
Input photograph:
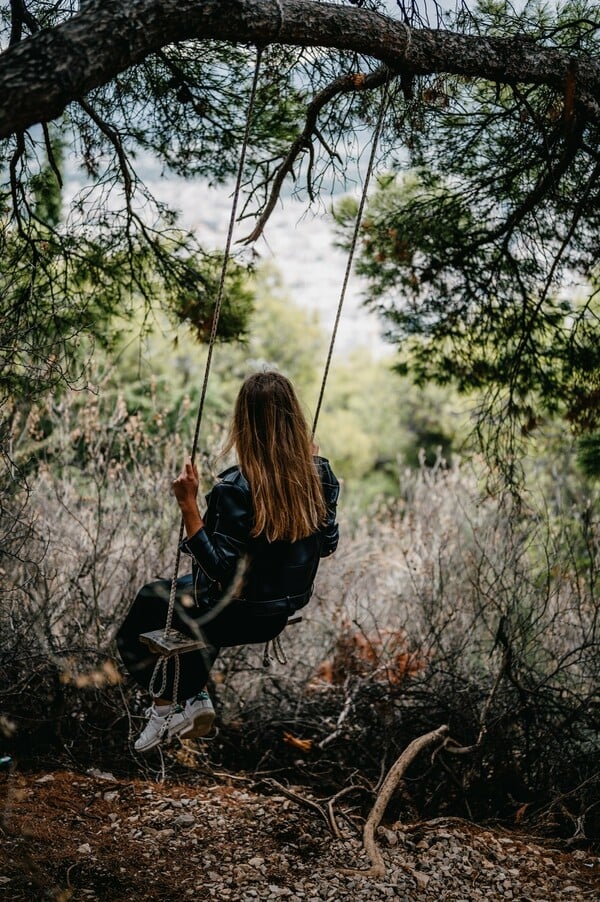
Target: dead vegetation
point(446, 607)
point(68, 835)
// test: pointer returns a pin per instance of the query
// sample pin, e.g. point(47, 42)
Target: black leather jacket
point(278, 575)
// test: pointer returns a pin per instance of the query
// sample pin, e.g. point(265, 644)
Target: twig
point(20, 16)
point(115, 140)
point(50, 154)
point(339, 795)
point(340, 721)
point(455, 749)
point(343, 85)
point(302, 800)
point(15, 184)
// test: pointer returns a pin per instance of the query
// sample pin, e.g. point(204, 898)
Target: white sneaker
point(160, 726)
point(199, 714)
point(191, 720)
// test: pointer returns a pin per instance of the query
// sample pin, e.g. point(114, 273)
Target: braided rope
point(350, 260)
point(161, 664)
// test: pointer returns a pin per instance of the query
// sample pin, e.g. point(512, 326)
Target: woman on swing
point(255, 552)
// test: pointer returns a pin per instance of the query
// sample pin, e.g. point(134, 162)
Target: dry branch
point(344, 85)
point(388, 787)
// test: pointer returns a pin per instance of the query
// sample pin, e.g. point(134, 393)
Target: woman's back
point(276, 569)
point(274, 450)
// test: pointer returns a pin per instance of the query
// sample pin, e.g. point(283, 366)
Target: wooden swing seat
point(176, 642)
point(173, 643)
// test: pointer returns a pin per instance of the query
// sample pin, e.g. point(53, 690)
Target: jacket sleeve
point(218, 546)
point(330, 531)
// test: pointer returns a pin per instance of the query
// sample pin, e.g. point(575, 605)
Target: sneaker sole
point(201, 725)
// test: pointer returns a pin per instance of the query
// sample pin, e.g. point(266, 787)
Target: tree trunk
point(41, 75)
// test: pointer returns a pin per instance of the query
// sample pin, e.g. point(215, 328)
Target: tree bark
point(42, 74)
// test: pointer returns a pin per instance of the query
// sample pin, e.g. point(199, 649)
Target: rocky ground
point(70, 836)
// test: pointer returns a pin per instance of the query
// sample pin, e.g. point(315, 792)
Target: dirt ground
point(74, 836)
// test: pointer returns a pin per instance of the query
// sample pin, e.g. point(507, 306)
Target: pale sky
point(297, 241)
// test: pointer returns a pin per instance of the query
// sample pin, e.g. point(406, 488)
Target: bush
point(444, 606)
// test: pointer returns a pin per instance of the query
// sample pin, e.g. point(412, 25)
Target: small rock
point(166, 833)
point(388, 835)
point(84, 848)
point(47, 778)
point(101, 775)
point(421, 879)
point(184, 820)
point(110, 796)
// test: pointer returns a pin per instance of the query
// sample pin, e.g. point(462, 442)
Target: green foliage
point(589, 454)
point(68, 266)
point(195, 302)
point(461, 314)
point(147, 383)
point(64, 291)
point(47, 184)
point(470, 254)
point(473, 251)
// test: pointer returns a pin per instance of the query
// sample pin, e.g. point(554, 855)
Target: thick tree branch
point(42, 74)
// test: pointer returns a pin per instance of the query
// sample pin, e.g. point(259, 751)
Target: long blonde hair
point(271, 437)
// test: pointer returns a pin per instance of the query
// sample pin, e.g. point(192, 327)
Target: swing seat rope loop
point(279, 653)
point(160, 668)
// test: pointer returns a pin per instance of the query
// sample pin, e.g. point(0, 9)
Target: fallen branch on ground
point(388, 787)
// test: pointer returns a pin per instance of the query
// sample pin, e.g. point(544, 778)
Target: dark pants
point(238, 623)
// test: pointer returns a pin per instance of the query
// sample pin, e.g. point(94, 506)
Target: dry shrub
point(425, 607)
point(429, 603)
point(99, 522)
